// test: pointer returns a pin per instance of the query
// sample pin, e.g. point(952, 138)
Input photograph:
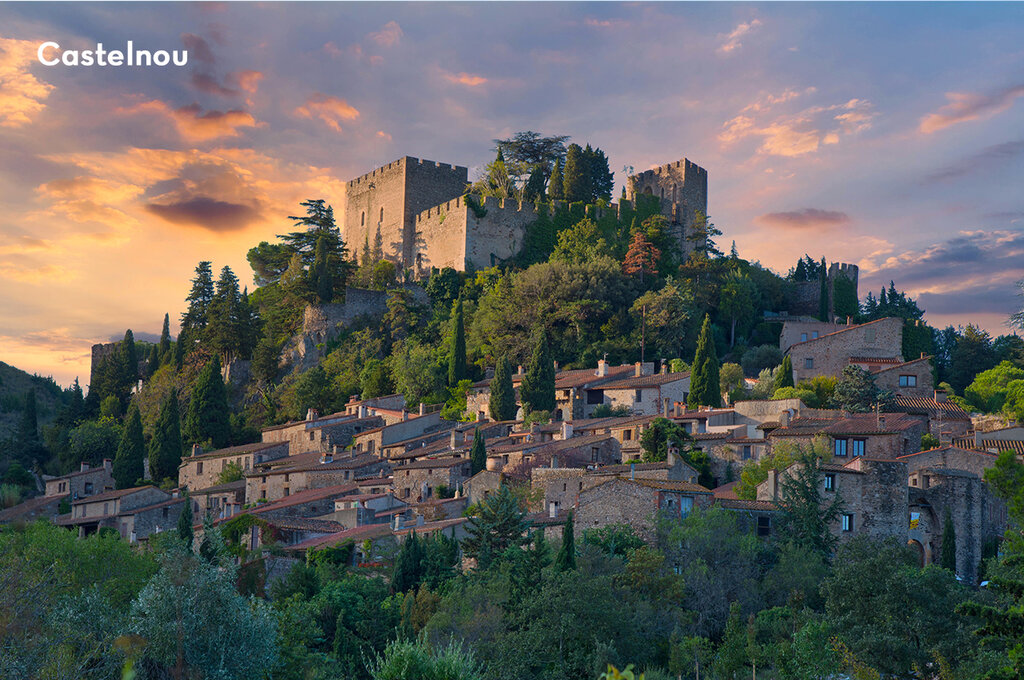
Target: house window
point(105, 509)
point(593, 453)
point(908, 381)
point(746, 452)
point(814, 335)
point(166, 512)
point(803, 337)
point(287, 491)
point(685, 505)
point(405, 493)
point(840, 448)
point(869, 335)
point(88, 488)
point(638, 396)
point(830, 482)
point(809, 362)
point(263, 494)
point(199, 468)
point(764, 525)
point(627, 435)
point(847, 523)
point(857, 447)
point(595, 396)
point(565, 487)
point(310, 436)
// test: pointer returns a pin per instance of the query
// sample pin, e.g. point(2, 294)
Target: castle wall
point(365, 198)
point(500, 233)
point(682, 187)
point(428, 184)
point(441, 236)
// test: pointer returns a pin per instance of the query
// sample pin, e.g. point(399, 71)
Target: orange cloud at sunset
point(195, 126)
point(467, 79)
point(331, 110)
point(21, 93)
point(967, 106)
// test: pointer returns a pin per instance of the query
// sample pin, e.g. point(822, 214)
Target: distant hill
point(14, 385)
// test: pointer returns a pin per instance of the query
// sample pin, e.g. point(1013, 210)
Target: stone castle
point(425, 222)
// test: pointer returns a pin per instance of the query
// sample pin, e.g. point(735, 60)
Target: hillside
point(14, 385)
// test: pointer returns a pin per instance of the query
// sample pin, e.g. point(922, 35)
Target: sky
point(888, 135)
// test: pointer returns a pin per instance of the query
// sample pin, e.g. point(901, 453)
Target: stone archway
point(918, 551)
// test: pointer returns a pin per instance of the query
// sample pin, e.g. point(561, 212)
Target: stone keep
point(390, 197)
point(682, 187)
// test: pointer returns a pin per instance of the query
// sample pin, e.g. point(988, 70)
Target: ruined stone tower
point(390, 197)
point(682, 187)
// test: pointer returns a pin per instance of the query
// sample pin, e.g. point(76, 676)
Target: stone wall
point(921, 369)
point(682, 187)
point(877, 498)
point(802, 330)
point(830, 354)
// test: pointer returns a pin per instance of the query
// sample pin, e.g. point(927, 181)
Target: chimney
point(405, 415)
point(784, 418)
point(552, 510)
point(849, 321)
point(327, 458)
point(145, 467)
point(773, 483)
point(423, 409)
point(941, 396)
point(566, 429)
point(556, 366)
point(664, 407)
point(419, 520)
point(84, 467)
point(396, 522)
point(454, 439)
point(197, 450)
point(535, 427)
point(519, 369)
point(312, 414)
point(922, 355)
point(638, 369)
point(362, 410)
point(602, 368)
point(107, 464)
point(664, 366)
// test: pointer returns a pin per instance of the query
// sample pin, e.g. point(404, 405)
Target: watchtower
point(682, 187)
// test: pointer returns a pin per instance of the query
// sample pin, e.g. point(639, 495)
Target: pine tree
point(575, 174)
point(208, 415)
point(165, 447)
point(556, 185)
point(537, 391)
point(498, 524)
point(165, 339)
point(642, 256)
point(457, 347)
point(478, 453)
point(227, 318)
point(566, 559)
point(602, 180)
point(408, 568)
point(153, 362)
point(199, 299)
point(948, 554)
point(185, 532)
point(131, 452)
point(784, 375)
point(503, 395)
point(823, 306)
point(704, 383)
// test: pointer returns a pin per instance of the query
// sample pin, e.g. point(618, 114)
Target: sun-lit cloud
point(387, 36)
point(799, 133)
point(383, 135)
point(467, 79)
point(966, 106)
point(21, 93)
point(805, 218)
point(731, 41)
point(331, 110)
point(192, 123)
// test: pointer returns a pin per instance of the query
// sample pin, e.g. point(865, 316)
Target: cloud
point(194, 125)
point(388, 36)
point(247, 81)
point(208, 213)
point(805, 218)
point(731, 41)
point(989, 158)
point(330, 110)
point(21, 93)
point(467, 79)
point(14, 245)
point(967, 106)
point(604, 23)
point(204, 82)
point(33, 272)
point(383, 135)
point(198, 48)
point(799, 133)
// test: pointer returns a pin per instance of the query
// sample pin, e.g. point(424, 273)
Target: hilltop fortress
point(425, 221)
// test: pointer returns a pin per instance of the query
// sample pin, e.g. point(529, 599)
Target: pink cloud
point(966, 106)
point(467, 79)
point(21, 93)
point(388, 36)
point(732, 40)
point(331, 110)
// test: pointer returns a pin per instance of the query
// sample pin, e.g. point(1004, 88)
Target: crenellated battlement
point(504, 205)
point(685, 166)
point(399, 166)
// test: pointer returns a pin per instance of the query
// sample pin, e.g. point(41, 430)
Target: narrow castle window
point(362, 219)
point(382, 214)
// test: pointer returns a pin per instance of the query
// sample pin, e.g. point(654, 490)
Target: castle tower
point(390, 197)
point(682, 187)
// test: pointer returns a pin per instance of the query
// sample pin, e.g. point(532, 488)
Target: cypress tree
point(704, 386)
point(556, 185)
point(575, 174)
point(538, 387)
point(208, 415)
point(165, 339)
point(153, 362)
point(408, 570)
point(948, 554)
point(131, 451)
point(128, 356)
point(457, 349)
point(503, 395)
point(478, 453)
point(566, 559)
point(180, 350)
point(321, 279)
point(165, 447)
point(784, 376)
point(185, 521)
point(823, 307)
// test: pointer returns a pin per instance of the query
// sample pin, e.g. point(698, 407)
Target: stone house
point(908, 378)
point(638, 502)
point(202, 470)
point(853, 435)
point(308, 503)
point(40, 507)
point(519, 458)
point(830, 354)
point(801, 329)
point(220, 501)
point(873, 494)
point(626, 429)
point(281, 478)
point(322, 433)
point(481, 485)
point(757, 517)
point(945, 419)
point(87, 481)
point(391, 407)
point(135, 513)
point(373, 440)
point(994, 441)
point(644, 395)
point(421, 480)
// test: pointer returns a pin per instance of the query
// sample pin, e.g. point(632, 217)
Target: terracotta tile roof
point(78, 473)
point(726, 491)
point(1015, 445)
point(668, 485)
point(235, 450)
point(367, 531)
point(433, 463)
point(323, 526)
point(154, 506)
point(331, 419)
point(633, 382)
point(542, 519)
point(929, 406)
point(882, 368)
point(431, 448)
point(709, 436)
point(432, 527)
point(109, 495)
point(311, 461)
point(740, 504)
point(870, 423)
point(610, 423)
point(29, 506)
point(237, 485)
point(307, 496)
point(875, 360)
point(973, 452)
